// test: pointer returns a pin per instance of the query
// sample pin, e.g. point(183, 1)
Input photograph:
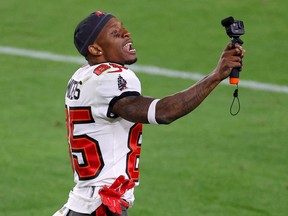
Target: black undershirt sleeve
point(110, 114)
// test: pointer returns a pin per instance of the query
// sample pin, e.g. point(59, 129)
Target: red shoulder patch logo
point(100, 69)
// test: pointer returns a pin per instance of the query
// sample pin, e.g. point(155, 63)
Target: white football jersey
point(102, 145)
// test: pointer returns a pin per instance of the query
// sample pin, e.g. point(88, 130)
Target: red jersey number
point(85, 152)
point(133, 157)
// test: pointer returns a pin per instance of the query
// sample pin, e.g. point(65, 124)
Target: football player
point(105, 112)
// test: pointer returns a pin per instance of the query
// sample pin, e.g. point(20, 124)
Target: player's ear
point(95, 49)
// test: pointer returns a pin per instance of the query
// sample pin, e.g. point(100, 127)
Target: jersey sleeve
point(115, 83)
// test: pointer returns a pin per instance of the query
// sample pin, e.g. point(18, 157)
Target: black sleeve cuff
point(115, 99)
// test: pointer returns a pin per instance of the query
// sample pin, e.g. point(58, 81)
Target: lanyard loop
point(235, 95)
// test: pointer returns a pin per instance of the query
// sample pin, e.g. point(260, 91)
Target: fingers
point(235, 50)
point(231, 58)
point(228, 47)
point(236, 61)
point(118, 182)
point(239, 51)
point(243, 52)
point(234, 54)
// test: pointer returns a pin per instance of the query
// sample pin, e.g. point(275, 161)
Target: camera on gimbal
point(234, 29)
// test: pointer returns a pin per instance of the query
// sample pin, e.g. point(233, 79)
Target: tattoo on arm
point(133, 108)
point(168, 109)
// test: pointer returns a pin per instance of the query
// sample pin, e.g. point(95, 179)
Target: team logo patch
point(121, 83)
point(101, 68)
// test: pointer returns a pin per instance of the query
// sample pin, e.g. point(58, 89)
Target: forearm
point(175, 106)
point(172, 107)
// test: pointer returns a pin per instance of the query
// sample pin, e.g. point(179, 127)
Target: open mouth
point(129, 48)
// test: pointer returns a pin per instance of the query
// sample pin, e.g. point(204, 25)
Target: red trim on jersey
point(118, 66)
point(100, 69)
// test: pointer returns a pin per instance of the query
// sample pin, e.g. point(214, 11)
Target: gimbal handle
point(234, 75)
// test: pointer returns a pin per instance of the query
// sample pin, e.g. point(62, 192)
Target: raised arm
point(170, 108)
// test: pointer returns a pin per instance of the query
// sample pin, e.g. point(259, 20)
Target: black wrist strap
point(235, 98)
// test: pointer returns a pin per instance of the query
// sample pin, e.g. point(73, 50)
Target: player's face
point(116, 43)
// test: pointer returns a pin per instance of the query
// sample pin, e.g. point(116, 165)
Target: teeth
point(128, 45)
